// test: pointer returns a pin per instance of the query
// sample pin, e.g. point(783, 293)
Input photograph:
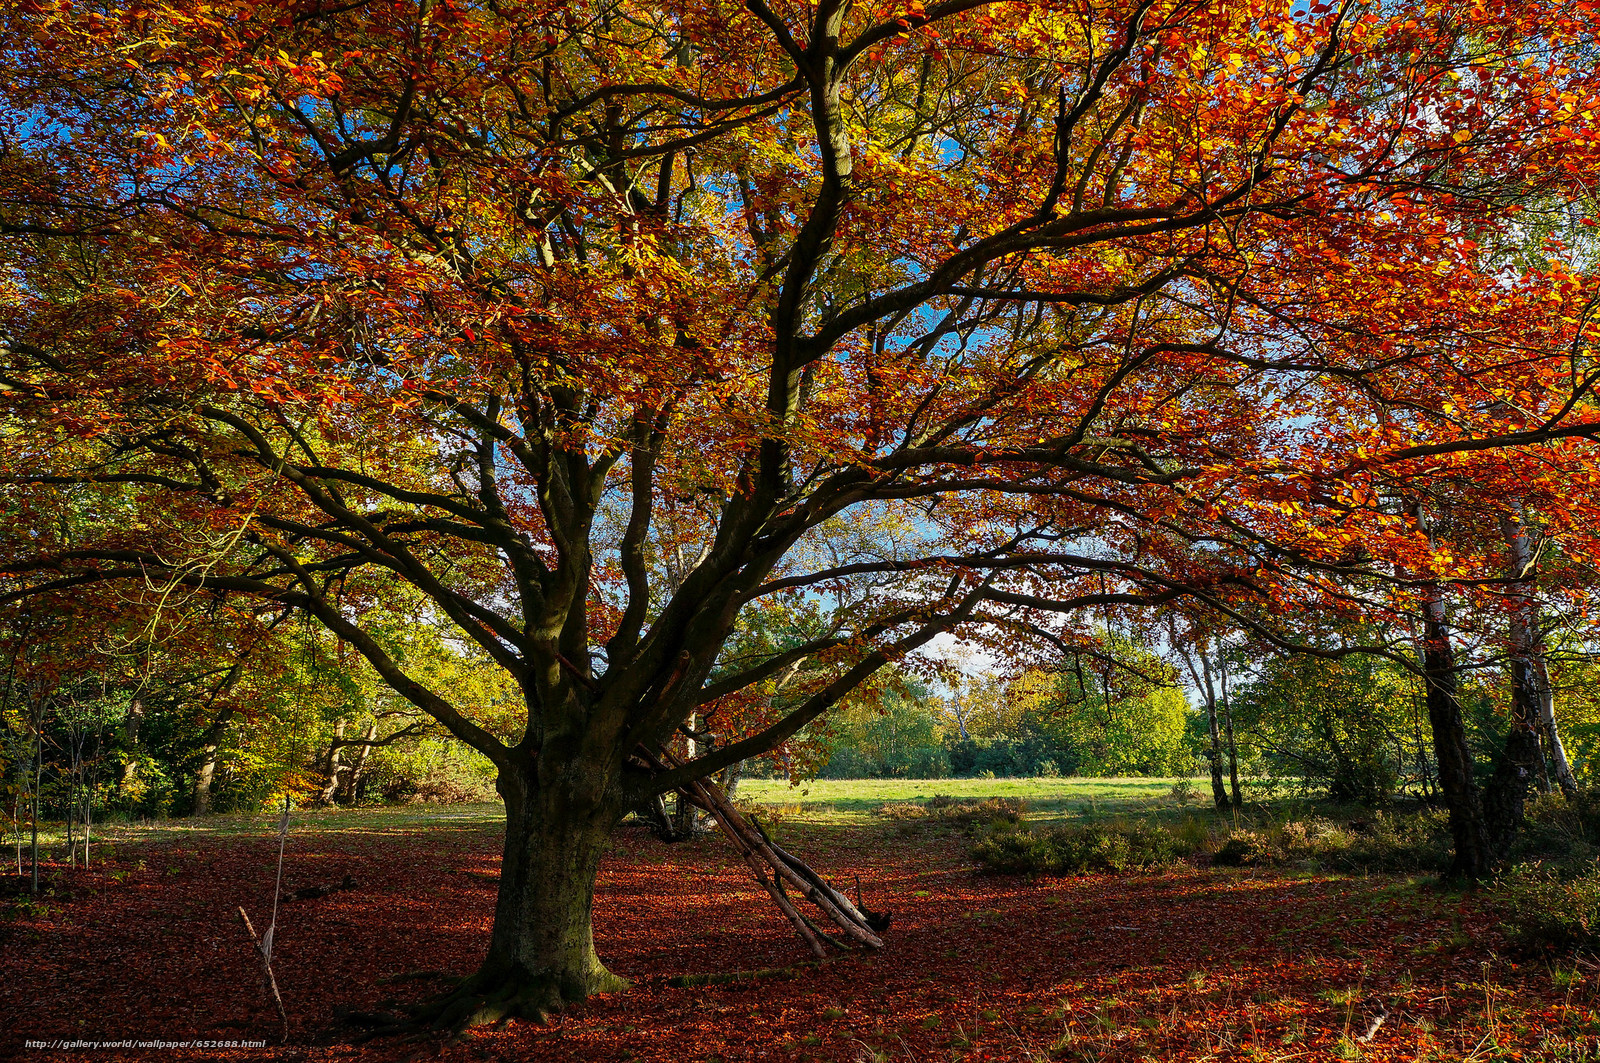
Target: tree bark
point(66, 813)
point(129, 766)
point(210, 746)
point(359, 768)
point(1219, 793)
point(1227, 719)
point(541, 951)
point(38, 782)
point(1474, 855)
point(1552, 732)
point(332, 764)
point(686, 817)
point(1521, 761)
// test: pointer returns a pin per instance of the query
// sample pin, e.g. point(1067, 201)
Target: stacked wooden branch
point(776, 869)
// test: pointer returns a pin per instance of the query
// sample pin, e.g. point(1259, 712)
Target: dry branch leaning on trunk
point(773, 868)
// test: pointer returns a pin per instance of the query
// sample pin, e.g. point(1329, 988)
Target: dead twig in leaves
point(263, 944)
point(266, 967)
point(1375, 1024)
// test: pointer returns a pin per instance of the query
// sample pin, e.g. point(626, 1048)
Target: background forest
point(223, 721)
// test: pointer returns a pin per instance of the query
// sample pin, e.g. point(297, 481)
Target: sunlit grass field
point(845, 800)
point(823, 802)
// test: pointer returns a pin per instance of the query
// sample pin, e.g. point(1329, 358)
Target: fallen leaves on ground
point(1190, 964)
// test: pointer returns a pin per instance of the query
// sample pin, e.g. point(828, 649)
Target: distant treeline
point(1353, 729)
point(917, 735)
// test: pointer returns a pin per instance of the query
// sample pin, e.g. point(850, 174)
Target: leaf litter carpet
point(1191, 964)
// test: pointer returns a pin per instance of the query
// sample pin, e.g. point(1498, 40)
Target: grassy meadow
point(857, 800)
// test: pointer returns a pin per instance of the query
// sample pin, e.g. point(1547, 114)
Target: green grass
point(376, 820)
point(856, 800)
point(821, 802)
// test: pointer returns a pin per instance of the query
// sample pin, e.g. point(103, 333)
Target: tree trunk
point(1425, 773)
point(1219, 792)
point(729, 778)
point(66, 814)
point(333, 765)
point(1521, 761)
point(203, 779)
point(1526, 707)
point(1342, 782)
point(686, 817)
point(38, 781)
point(359, 768)
point(129, 767)
point(210, 745)
point(1227, 719)
point(1552, 733)
point(541, 951)
point(653, 810)
point(1474, 856)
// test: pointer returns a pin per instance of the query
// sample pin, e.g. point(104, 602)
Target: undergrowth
point(1544, 907)
point(1113, 846)
point(1401, 843)
point(966, 813)
point(1550, 894)
point(1551, 897)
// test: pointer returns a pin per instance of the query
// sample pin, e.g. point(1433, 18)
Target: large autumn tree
point(586, 319)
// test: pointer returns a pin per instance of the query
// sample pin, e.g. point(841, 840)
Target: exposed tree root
point(483, 999)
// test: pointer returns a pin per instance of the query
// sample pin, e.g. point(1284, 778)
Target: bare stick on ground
point(266, 968)
point(264, 944)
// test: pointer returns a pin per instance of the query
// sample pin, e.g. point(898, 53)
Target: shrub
point(1414, 843)
point(1544, 908)
point(1246, 848)
point(1075, 850)
point(441, 787)
point(970, 812)
point(1017, 852)
point(1562, 831)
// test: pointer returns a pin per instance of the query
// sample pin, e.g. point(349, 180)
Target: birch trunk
point(1219, 792)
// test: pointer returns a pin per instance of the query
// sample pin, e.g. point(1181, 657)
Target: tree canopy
point(586, 324)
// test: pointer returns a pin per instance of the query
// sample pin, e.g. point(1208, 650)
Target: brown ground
point(1187, 965)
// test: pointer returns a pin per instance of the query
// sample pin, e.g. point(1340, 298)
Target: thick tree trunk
point(1521, 762)
point(129, 766)
point(332, 764)
point(352, 785)
point(204, 778)
point(686, 817)
point(1526, 709)
point(210, 746)
point(729, 778)
point(1474, 855)
point(541, 951)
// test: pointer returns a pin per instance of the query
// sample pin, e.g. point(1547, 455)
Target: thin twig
point(266, 967)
